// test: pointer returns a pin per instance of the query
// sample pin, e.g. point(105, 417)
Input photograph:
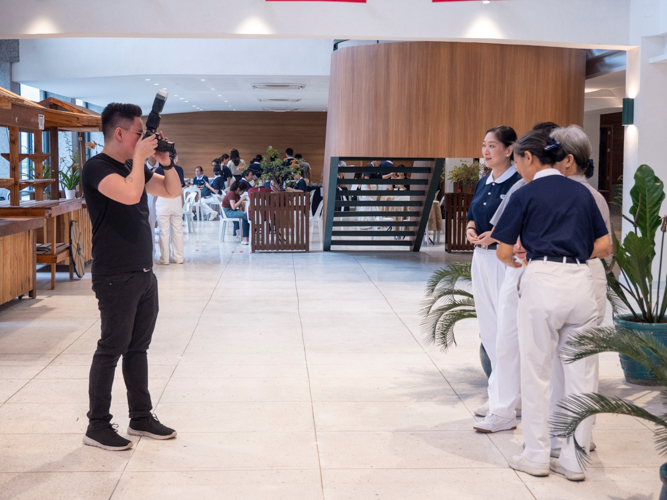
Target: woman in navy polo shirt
point(561, 229)
point(487, 271)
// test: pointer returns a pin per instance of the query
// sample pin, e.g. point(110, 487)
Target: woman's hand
point(519, 251)
point(471, 235)
point(485, 239)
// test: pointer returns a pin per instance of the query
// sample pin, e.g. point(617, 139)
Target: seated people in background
point(256, 165)
point(398, 176)
point(235, 164)
point(199, 179)
point(305, 168)
point(218, 184)
point(370, 174)
point(289, 157)
point(300, 186)
point(225, 173)
point(232, 206)
point(247, 178)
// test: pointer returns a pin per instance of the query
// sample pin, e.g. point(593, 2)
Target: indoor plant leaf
point(647, 195)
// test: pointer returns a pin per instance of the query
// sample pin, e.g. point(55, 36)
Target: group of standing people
point(539, 231)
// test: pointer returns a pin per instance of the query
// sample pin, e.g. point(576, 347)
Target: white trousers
point(152, 217)
point(505, 380)
point(207, 210)
point(170, 220)
point(487, 277)
point(558, 377)
point(556, 301)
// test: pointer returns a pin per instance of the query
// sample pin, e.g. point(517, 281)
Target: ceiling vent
point(278, 86)
point(278, 100)
point(281, 110)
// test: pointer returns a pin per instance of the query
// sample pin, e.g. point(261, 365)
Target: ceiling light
point(212, 89)
point(148, 79)
point(194, 106)
point(187, 101)
point(175, 95)
point(181, 98)
point(226, 101)
point(156, 84)
point(219, 95)
point(279, 86)
point(203, 79)
point(486, 1)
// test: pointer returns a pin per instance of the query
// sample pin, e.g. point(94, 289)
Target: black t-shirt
point(122, 236)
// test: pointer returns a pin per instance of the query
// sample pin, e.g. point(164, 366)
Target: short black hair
point(116, 112)
point(289, 151)
point(199, 167)
point(298, 156)
point(246, 172)
point(547, 127)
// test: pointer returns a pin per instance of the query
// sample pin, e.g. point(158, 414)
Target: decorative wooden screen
point(456, 210)
point(279, 222)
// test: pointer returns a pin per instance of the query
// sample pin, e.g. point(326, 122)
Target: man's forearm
point(172, 183)
point(136, 181)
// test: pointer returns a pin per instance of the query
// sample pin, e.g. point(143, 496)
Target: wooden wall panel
point(202, 136)
point(436, 99)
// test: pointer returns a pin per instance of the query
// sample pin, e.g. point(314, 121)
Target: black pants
point(128, 306)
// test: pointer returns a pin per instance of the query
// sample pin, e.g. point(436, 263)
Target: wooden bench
point(18, 257)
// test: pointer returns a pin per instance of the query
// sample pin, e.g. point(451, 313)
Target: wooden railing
point(456, 210)
point(279, 222)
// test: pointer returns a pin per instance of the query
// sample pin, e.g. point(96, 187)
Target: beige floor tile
point(83, 371)
point(53, 391)
point(56, 453)
point(184, 371)
point(365, 359)
point(246, 358)
point(236, 417)
point(219, 390)
point(424, 484)
point(221, 485)
point(431, 388)
point(426, 371)
point(57, 485)
point(10, 387)
point(19, 372)
point(428, 416)
point(227, 451)
point(407, 450)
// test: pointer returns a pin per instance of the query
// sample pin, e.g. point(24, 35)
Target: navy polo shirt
point(555, 217)
point(201, 181)
point(488, 195)
point(370, 174)
point(219, 184)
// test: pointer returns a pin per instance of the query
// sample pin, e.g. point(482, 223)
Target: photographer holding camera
point(115, 183)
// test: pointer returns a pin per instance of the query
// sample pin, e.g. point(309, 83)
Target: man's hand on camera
point(162, 157)
point(146, 146)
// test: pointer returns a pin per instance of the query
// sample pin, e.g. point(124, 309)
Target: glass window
point(30, 93)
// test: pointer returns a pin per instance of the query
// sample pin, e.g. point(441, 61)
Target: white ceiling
point(605, 92)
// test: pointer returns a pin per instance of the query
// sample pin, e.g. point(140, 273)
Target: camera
point(153, 122)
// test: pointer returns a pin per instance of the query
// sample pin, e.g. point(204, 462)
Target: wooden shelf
point(6, 182)
point(38, 157)
point(36, 183)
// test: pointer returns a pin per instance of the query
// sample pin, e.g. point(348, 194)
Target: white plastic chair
point(224, 221)
point(196, 204)
point(187, 210)
point(316, 218)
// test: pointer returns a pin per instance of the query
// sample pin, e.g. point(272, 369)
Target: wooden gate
point(279, 222)
point(456, 210)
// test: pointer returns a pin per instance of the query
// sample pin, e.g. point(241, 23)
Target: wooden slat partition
point(456, 210)
point(280, 222)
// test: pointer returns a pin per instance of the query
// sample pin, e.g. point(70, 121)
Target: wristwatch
point(168, 167)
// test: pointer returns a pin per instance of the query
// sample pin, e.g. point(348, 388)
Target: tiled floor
point(287, 376)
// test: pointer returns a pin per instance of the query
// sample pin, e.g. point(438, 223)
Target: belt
point(560, 260)
point(492, 246)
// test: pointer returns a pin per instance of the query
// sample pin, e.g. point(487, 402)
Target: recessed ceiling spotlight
point(226, 101)
point(148, 79)
point(212, 89)
point(156, 84)
point(187, 101)
point(219, 95)
point(233, 110)
point(194, 106)
point(180, 98)
point(486, 1)
point(175, 95)
point(203, 79)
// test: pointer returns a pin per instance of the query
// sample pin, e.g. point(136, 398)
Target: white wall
point(589, 22)
point(592, 129)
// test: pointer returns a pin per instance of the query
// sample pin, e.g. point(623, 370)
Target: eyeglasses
point(133, 131)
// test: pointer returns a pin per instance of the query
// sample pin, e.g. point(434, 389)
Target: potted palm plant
point(446, 304)
point(638, 305)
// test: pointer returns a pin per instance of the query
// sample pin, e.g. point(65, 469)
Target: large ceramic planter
point(636, 373)
point(484, 358)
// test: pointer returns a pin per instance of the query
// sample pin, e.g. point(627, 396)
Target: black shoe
point(150, 427)
point(107, 438)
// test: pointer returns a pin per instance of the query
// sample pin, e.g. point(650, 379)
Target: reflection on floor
point(287, 376)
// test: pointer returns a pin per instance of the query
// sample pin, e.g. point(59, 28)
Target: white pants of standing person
point(170, 220)
point(152, 217)
point(558, 377)
point(487, 277)
point(556, 301)
point(505, 380)
point(207, 211)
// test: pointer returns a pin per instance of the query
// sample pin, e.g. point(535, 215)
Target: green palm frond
point(438, 327)
point(449, 276)
point(446, 293)
point(640, 346)
point(578, 408)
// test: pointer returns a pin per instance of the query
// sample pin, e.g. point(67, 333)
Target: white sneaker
point(556, 467)
point(495, 423)
point(483, 410)
point(521, 463)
